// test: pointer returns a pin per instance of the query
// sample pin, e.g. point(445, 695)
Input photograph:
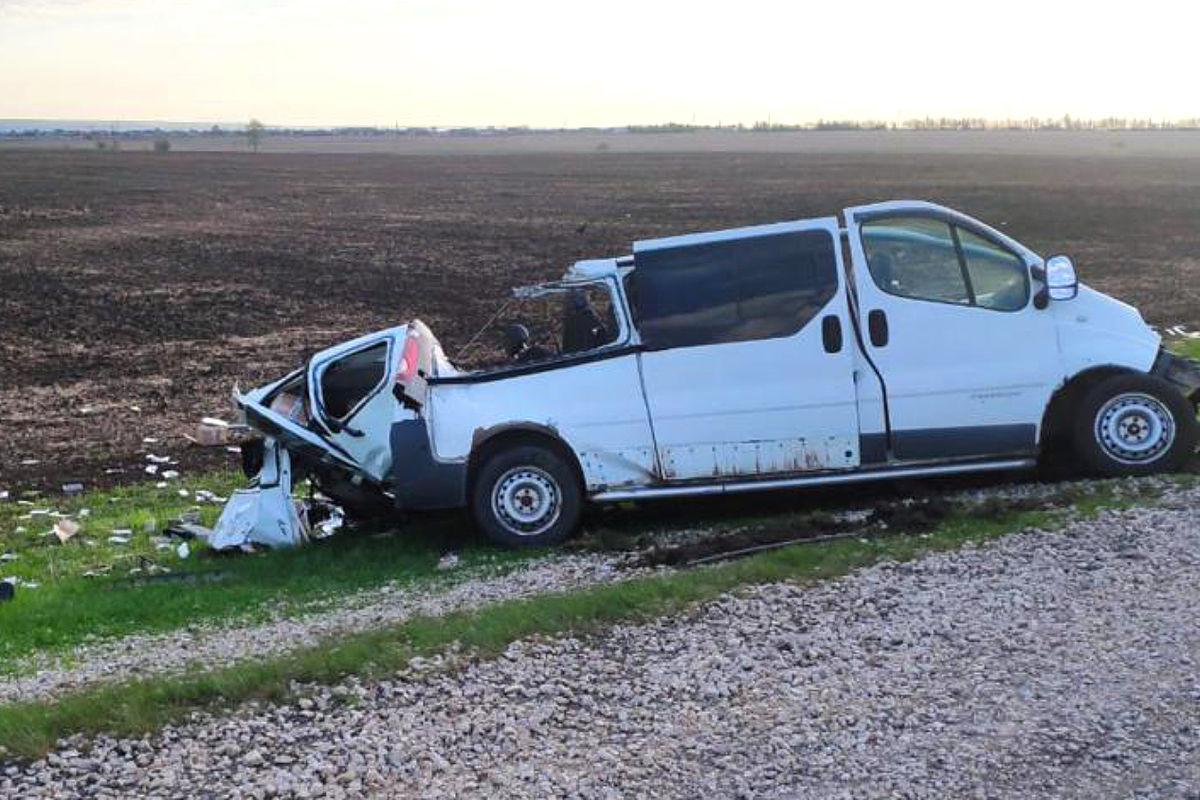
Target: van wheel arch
point(509, 438)
point(1055, 439)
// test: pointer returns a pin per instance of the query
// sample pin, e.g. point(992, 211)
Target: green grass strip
point(30, 729)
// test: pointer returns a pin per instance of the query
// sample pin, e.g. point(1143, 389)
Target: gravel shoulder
point(1045, 664)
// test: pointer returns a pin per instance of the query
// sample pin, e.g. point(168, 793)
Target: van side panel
point(595, 408)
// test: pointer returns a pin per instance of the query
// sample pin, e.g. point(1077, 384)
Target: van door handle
point(877, 326)
point(831, 334)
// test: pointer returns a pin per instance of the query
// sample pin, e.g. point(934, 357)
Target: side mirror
point(1060, 278)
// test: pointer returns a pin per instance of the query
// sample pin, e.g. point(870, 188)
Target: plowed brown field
point(146, 281)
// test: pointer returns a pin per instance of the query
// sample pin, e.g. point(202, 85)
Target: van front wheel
point(526, 496)
point(1134, 424)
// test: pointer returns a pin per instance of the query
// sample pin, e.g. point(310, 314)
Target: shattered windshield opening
point(544, 323)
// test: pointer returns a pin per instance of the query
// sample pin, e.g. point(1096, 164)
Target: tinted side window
point(350, 379)
point(762, 287)
point(915, 257)
point(998, 277)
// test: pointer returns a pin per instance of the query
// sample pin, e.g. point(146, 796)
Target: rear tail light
point(406, 368)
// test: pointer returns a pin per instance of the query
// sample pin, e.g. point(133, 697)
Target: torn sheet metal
point(266, 514)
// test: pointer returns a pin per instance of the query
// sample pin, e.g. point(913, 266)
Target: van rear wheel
point(1134, 424)
point(526, 496)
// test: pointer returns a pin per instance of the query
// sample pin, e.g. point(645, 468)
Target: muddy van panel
point(595, 408)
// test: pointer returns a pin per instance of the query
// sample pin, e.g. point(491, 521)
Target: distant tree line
point(1064, 123)
point(255, 131)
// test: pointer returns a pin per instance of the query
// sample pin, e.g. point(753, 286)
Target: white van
point(908, 340)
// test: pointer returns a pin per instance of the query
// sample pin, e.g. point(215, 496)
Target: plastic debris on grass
point(65, 529)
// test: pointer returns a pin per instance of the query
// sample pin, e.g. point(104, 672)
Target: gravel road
point(1058, 664)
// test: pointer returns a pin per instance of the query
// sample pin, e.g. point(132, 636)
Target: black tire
point(526, 496)
point(1134, 424)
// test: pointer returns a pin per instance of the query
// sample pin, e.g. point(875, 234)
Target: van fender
point(419, 480)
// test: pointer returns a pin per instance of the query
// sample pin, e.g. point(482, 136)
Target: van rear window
point(737, 290)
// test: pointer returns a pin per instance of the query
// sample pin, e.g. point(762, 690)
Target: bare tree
point(254, 133)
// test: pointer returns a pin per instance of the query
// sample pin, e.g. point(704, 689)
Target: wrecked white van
point(906, 340)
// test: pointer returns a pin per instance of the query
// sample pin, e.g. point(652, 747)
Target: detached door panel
point(747, 370)
point(350, 390)
point(967, 361)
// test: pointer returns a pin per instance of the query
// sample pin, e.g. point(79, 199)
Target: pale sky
point(613, 62)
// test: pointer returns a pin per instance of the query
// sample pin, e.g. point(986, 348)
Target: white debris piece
point(39, 512)
point(64, 529)
point(118, 540)
point(29, 462)
point(72, 488)
point(20, 584)
point(151, 469)
point(448, 561)
point(183, 492)
point(153, 459)
point(9, 557)
point(149, 440)
point(265, 515)
point(126, 532)
point(170, 474)
point(213, 421)
point(160, 485)
point(3, 494)
point(183, 551)
point(330, 525)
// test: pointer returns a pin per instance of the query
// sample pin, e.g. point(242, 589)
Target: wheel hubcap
point(1135, 428)
point(526, 500)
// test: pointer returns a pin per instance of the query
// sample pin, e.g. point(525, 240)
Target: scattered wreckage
point(906, 340)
